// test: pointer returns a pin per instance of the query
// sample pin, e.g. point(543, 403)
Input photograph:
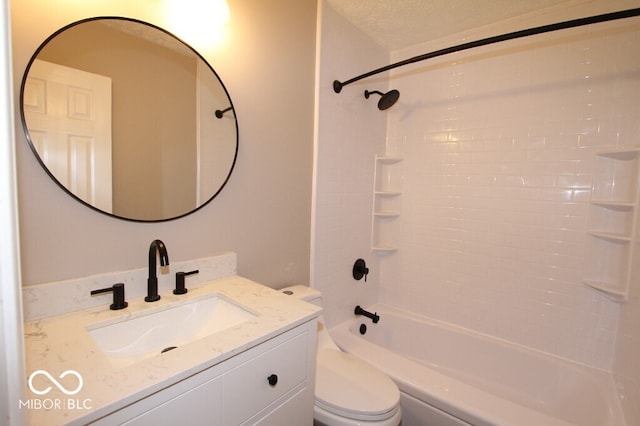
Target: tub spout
point(374, 317)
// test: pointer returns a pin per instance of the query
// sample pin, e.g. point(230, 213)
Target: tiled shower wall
point(350, 132)
point(498, 145)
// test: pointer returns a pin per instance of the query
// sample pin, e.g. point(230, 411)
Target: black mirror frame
point(64, 188)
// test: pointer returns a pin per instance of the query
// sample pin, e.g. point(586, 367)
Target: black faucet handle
point(118, 296)
point(180, 287)
point(360, 270)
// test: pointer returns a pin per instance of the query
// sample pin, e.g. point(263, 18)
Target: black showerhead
point(386, 99)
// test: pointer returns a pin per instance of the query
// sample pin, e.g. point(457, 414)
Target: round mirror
point(128, 119)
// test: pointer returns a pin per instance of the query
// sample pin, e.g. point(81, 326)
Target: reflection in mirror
point(220, 113)
point(122, 115)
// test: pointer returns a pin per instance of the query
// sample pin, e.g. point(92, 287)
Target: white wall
point(500, 146)
point(351, 131)
point(12, 371)
point(263, 213)
point(625, 365)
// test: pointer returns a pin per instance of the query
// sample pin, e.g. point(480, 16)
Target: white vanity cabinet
point(269, 384)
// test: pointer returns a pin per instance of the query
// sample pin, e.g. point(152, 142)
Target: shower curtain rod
point(337, 85)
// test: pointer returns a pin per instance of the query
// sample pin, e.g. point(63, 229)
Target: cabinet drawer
point(199, 406)
point(247, 390)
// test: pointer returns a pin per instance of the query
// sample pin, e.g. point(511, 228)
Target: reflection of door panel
point(68, 113)
point(215, 153)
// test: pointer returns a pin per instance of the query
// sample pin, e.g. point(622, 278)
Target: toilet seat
point(349, 387)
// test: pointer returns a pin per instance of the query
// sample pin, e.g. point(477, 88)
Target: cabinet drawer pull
point(273, 380)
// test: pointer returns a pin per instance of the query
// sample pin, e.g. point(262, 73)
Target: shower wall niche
point(387, 198)
point(612, 221)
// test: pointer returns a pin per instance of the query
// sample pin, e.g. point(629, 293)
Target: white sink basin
point(142, 336)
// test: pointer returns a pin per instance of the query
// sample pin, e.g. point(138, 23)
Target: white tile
point(498, 170)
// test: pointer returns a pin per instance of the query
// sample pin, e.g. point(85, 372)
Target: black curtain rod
point(337, 85)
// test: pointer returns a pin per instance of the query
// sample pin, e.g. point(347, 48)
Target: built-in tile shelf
point(612, 221)
point(387, 197)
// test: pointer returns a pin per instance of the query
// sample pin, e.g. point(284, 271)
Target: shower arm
point(337, 85)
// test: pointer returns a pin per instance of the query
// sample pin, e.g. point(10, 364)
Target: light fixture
point(198, 22)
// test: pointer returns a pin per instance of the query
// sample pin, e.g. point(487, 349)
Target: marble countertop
point(57, 344)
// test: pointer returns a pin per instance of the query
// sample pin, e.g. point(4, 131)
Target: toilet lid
point(350, 387)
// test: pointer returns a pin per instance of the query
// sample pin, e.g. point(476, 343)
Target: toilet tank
point(311, 295)
point(305, 293)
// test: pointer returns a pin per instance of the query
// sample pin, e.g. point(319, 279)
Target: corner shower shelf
point(387, 193)
point(609, 291)
point(610, 236)
point(612, 222)
point(384, 249)
point(386, 213)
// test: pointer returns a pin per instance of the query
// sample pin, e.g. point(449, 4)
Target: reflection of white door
point(68, 114)
point(216, 138)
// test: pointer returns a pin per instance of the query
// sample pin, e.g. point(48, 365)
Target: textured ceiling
point(396, 24)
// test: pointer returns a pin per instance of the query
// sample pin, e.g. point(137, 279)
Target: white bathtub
point(452, 376)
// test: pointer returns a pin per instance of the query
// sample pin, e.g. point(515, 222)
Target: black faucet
point(158, 247)
point(118, 296)
point(374, 317)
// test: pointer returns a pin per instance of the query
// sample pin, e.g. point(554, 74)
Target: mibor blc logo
point(45, 385)
point(55, 382)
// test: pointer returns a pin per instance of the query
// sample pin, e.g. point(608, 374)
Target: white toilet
point(349, 391)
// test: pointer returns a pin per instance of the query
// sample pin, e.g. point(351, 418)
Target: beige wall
point(263, 213)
